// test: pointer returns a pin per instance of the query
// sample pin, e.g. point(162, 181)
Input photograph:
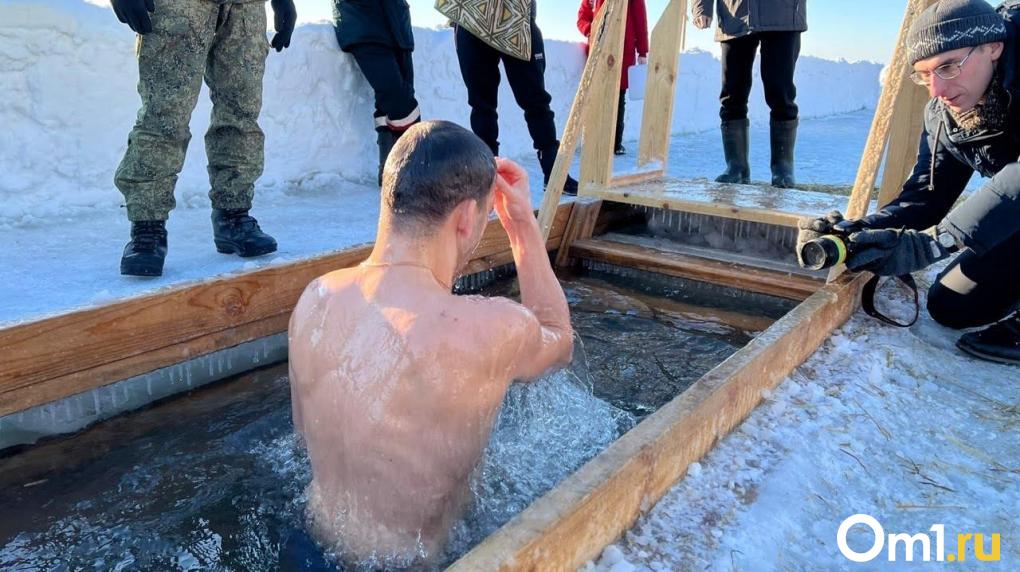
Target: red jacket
point(635, 42)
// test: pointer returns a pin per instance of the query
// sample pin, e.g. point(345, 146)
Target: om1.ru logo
point(910, 542)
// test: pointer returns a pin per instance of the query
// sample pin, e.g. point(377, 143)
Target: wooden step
point(760, 280)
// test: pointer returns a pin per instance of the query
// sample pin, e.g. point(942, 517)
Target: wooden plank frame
point(56, 357)
point(667, 41)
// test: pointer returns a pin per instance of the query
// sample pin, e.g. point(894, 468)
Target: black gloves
point(135, 13)
point(812, 228)
point(284, 19)
point(893, 252)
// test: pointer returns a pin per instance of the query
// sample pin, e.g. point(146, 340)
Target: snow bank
point(68, 74)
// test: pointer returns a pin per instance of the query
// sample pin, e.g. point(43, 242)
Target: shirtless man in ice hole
point(395, 381)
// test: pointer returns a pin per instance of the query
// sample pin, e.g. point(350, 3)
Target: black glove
point(812, 228)
point(893, 252)
point(135, 13)
point(284, 19)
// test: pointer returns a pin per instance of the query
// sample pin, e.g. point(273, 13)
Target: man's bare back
point(396, 382)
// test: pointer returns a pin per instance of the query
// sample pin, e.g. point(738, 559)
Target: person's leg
point(527, 81)
point(737, 64)
point(386, 70)
point(479, 66)
point(234, 143)
point(171, 60)
point(978, 290)
point(621, 110)
point(779, 53)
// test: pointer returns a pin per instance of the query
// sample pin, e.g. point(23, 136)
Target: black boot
point(736, 146)
point(998, 342)
point(236, 232)
point(144, 255)
point(547, 159)
point(621, 109)
point(386, 138)
point(783, 136)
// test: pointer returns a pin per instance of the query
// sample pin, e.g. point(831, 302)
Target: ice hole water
point(215, 479)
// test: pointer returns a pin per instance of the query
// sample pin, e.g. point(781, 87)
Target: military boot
point(547, 159)
point(998, 342)
point(736, 146)
point(783, 138)
point(236, 232)
point(145, 253)
point(386, 139)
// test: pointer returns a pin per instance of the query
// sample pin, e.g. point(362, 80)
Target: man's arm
point(551, 343)
point(585, 16)
point(918, 205)
point(701, 13)
point(640, 15)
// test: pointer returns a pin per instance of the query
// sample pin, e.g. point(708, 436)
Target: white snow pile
point(69, 81)
point(893, 423)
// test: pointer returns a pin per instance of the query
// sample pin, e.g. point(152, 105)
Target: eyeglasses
point(952, 70)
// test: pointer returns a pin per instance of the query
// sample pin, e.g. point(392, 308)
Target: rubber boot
point(145, 253)
point(783, 137)
point(618, 148)
point(998, 342)
point(547, 159)
point(236, 232)
point(736, 146)
point(386, 138)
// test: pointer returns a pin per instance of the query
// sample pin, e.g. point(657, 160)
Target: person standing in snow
point(968, 56)
point(745, 25)
point(515, 39)
point(378, 35)
point(635, 43)
point(180, 42)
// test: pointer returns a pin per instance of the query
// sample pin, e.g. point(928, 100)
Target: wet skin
point(395, 382)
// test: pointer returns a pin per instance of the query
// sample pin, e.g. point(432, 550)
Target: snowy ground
point(893, 423)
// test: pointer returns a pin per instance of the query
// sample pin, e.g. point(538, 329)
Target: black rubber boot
point(547, 159)
point(236, 232)
point(144, 255)
point(618, 148)
point(386, 138)
point(998, 342)
point(736, 146)
point(783, 137)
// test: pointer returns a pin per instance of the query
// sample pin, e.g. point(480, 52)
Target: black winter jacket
point(742, 17)
point(946, 159)
point(386, 22)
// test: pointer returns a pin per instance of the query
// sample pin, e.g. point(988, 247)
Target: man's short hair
point(432, 168)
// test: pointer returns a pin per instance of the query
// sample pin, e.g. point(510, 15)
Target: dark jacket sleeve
point(990, 215)
point(919, 206)
point(640, 16)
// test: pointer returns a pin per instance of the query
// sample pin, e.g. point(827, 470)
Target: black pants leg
point(621, 111)
point(390, 72)
point(779, 53)
point(479, 66)
point(527, 80)
point(737, 65)
point(991, 293)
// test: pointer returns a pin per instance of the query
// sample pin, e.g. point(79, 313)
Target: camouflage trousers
point(224, 43)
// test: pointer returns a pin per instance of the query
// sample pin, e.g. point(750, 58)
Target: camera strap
point(868, 300)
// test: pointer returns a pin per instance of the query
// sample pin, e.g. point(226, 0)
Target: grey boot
point(783, 136)
point(386, 138)
point(735, 146)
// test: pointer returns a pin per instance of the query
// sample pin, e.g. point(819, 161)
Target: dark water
point(214, 480)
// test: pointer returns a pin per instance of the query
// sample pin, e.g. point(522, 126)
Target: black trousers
point(479, 65)
point(390, 72)
point(779, 53)
point(993, 296)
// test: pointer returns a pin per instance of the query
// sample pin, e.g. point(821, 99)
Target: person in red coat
point(635, 48)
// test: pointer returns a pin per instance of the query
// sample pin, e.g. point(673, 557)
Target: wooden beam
point(667, 41)
point(581, 225)
point(636, 178)
point(775, 283)
point(601, 111)
point(67, 354)
point(572, 131)
point(571, 524)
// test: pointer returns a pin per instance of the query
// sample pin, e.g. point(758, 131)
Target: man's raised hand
point(513, 193)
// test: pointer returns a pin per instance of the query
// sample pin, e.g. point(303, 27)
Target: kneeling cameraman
point(966, 54)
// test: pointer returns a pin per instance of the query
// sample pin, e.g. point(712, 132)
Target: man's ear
point(464, 217)
point(995, 50)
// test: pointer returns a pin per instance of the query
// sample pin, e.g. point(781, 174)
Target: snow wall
point(68, 78)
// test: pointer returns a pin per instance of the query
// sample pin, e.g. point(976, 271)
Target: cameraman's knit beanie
point(953, 24)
